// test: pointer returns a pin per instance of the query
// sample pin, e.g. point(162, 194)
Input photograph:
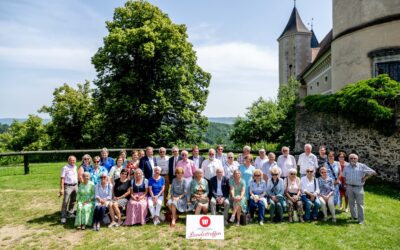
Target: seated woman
point(85, 167)
point(156, 194)
point(309, 194)
point(85, 198)
point(178, 195)
point(136, 210)
point(120, 197)
point(276, 197)
point(115, 171)
point(326, 193)
point(293, 195)
point(199, 192)
point(103, 200)
point(237, 191)
point(258, 192)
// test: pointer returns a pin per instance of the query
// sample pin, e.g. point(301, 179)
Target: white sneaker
point(232, 219)
point(112, 224)
point(63, 220)
point(261, 223)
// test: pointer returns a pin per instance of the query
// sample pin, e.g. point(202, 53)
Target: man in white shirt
point(68, 188)
point(210, 165)
point(221, 155)
point(261, 159)
point(307, 159)
point(196, 157)
point(286, 162)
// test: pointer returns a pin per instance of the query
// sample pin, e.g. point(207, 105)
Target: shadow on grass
point(383, 189)
point(52, 220)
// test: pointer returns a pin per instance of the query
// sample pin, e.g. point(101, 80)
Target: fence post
point(26, 164)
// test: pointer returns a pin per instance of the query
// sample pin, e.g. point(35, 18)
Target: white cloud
point(77, 59)
point(241, 73)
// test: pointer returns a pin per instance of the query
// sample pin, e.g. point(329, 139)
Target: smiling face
point(72, 160)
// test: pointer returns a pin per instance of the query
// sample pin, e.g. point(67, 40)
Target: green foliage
point(370, 101)
point(218, 133)
point(74, 118)
point(3, 128)
point(269, 147)
point(150, 89)
point(268, 120)
point(27, 136)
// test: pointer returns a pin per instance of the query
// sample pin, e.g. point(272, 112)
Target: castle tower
point(294, 48)
point(366, 40)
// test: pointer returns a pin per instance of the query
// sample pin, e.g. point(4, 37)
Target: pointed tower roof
point(314, 40)
point(294, 25)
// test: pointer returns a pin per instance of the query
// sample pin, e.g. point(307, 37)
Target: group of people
point(103, 188)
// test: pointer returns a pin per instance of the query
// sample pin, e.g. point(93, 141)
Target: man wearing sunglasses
point(355, 174)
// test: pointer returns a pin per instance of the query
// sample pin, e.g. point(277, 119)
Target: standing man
point(210, 165)
point(106, 161)
point(221, 155)
point(162, 161)
point(246, 152)
point(147, 163)
point(286, 162)
point(68, 188)
point(260, 159)
point(306, 160)
point(219, 192)
point(196, 157)
point(173, 160)
point(355, 174)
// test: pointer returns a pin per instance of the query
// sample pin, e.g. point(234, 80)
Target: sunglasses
point(230, 157)
point(292, 174)
point(96, 161)
point(274, 174)
point(310, 171)
point(257, 175)
point(86, 159)
point(103, 177)
point(352, 158)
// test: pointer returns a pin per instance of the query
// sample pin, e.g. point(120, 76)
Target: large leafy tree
point(74, 118)
point(150, 89)
point(269, 120)
point(28, 135)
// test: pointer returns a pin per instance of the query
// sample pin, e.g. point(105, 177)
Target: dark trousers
point(99, 212)
point(261, 209)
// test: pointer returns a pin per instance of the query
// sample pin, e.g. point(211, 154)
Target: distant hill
point(8, 121)
point(224, 120)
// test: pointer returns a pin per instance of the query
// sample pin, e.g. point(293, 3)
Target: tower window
point(386, 61)
point(326, 78)
point(317, 84)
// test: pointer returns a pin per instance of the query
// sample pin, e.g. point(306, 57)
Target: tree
point(74, 118)
point(261, 123)
point(268, 120)
point(150, 89)
point(28, 135)
point(3, 128)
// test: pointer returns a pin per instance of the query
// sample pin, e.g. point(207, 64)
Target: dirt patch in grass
point(12, 236)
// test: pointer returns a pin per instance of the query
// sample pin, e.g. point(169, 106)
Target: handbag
point(244, 219)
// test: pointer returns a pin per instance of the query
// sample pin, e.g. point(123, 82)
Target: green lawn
point(29, 218)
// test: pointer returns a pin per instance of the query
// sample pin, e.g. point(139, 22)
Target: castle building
point(364, 42)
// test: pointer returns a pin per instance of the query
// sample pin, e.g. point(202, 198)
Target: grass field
point(29, 218)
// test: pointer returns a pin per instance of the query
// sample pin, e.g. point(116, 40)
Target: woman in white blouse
point(230, 165)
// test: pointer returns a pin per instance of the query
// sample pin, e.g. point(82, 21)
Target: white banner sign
point(210, 227)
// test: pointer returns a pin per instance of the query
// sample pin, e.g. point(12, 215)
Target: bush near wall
point(367, 102)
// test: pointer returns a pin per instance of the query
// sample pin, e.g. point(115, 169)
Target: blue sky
point(44, 44)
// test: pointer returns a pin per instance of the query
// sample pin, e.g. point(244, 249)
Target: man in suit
point(173, 160)
point(196, 157)
point(219, 191)
point(147, 163)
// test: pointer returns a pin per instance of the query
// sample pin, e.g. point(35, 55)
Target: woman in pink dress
point(342, 190)
point(136, 209)
point(133, 164)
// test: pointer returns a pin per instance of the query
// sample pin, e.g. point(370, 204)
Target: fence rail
point(58, 154)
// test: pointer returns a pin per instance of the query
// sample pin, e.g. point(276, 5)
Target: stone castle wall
point(382, 153)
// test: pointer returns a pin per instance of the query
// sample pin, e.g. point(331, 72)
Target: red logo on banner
point(205, 221)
